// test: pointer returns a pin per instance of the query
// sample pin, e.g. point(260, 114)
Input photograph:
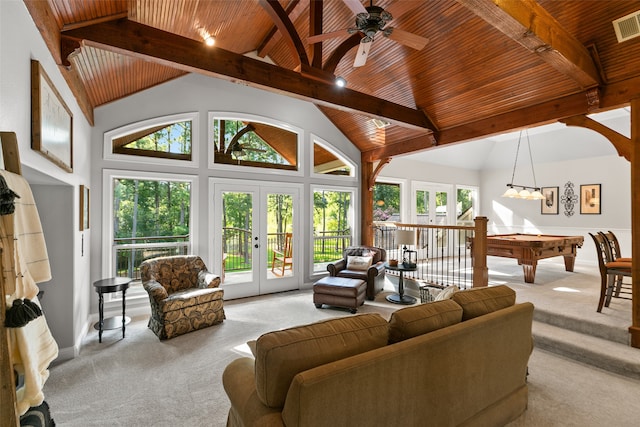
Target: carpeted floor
point(141, 381)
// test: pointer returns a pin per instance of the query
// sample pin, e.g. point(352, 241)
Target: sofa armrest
point(207, 279)
point(376, 269)
point(238, 380)
point(337, 266)
point(155, 290)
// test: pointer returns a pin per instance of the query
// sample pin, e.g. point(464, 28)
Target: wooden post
point(634, 329)
point(479, 253)
point(366, 202)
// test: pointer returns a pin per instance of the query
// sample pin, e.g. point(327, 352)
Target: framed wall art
point(549, 205)
point(590, 201)
point(51, 120)
point(84, 208)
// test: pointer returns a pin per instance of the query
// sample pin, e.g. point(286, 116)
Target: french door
point(251, 221)
point(431, 206)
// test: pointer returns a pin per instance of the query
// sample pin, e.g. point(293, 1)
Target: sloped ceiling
point(489, 66)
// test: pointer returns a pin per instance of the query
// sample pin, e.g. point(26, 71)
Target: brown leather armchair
point(374, 275)
point(184, 296)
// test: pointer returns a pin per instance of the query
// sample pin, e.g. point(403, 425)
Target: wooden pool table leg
point(529, 271)
point(569, 262)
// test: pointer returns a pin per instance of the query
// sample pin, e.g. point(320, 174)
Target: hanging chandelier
point(524, 193)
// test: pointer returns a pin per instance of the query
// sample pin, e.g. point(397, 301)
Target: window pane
point(465, 209)
point(150, 219)
point(171, 141)
point(422, 206)
point(386, 202)
point(332, 226)
point(327, 163)
point(250, 143)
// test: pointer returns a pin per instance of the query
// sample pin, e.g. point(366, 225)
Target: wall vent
point(627, 27)
point(380, 124)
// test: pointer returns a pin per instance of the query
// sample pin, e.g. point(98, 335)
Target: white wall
point(66, 299)
point(524, 216)
point(202, 94)
point(513, 215)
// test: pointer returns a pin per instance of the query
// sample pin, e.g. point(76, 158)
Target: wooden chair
point(615, 246)
point(611, 272)
point(283, 259)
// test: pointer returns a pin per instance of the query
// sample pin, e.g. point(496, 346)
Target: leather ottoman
point(339, 292)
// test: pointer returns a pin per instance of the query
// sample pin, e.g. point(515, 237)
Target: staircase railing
point(444, 255)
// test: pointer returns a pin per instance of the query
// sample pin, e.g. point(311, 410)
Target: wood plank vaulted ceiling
point(489, 66)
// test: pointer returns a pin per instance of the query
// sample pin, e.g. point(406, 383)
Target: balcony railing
point(128, 253)
point(443, 254)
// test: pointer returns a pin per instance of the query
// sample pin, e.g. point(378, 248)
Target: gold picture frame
point(51, 120)
point(84, 208)
point(590, 199)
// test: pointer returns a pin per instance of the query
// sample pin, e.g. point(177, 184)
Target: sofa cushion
point(480, 301)
point(280, 355)
point(360, 263)
point(417, 320)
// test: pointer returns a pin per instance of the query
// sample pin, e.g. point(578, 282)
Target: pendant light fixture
point(524, 193)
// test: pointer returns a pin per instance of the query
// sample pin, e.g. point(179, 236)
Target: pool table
point(529, 248)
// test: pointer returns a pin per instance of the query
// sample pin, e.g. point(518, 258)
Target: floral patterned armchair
point(184, 296)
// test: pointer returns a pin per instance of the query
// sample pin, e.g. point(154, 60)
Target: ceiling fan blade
point(399, 8)
point(408, 39)
point(356, 6)
point(363, 53)
point(325, 36)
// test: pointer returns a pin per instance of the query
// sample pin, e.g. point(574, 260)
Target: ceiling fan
point(371, 21)
point(239, 150)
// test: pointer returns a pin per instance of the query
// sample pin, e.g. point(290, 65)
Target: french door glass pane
point(237, 232)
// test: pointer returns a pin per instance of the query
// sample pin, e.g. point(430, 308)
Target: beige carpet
point(141, 381)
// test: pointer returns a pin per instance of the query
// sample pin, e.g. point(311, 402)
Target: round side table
point(105, 286)
point(400, 297)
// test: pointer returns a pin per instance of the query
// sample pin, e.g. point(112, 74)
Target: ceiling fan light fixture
point(340, 82)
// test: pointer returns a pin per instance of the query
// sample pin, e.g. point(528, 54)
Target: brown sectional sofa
point(458, 362)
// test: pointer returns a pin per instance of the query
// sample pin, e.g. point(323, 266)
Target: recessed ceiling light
point(210, 40)
point(341, 82)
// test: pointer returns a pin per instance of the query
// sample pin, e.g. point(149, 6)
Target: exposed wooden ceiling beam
point(527, 23)
point(133, 39)
point(279, 16)
point(546, 112)
point(621, 143)
point(294, 10)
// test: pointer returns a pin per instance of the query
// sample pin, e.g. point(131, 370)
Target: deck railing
point(444, 256)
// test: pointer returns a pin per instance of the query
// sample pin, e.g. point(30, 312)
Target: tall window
point(150, 217)
point(333, 218)
point(386, 202)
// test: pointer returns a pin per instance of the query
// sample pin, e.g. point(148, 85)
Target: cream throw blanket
point(25, 262)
